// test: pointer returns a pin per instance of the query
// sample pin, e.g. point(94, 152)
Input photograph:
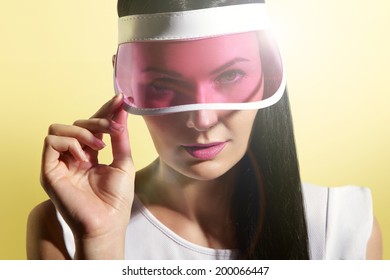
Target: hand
point(94, 199)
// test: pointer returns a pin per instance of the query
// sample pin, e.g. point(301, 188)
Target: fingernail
point(115, 98)
point(99, 143)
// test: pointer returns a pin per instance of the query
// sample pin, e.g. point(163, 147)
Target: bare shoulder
point(374, 246)
point(44, 234)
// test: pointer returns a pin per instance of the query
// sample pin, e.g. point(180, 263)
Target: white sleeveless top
point(339, 221)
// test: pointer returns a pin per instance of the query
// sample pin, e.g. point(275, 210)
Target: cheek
point(245, 119)
point(162, 129)
point(244, 124)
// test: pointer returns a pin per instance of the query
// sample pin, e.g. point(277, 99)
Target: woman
point(226, 183)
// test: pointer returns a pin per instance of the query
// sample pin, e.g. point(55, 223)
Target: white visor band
point(193, 24)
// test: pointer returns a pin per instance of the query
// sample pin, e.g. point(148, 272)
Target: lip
point(205, 151)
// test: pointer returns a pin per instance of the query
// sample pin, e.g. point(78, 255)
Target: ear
point(113, 60)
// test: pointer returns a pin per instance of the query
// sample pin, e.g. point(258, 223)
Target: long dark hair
point(268, 213)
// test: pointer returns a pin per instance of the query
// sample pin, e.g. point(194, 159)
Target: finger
point(84, 136)
point(54, 146)
point(99, 125)
point(121, 151)
point(92, 155)
point(109, 108)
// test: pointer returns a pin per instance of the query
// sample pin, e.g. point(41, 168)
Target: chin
point(207, 170)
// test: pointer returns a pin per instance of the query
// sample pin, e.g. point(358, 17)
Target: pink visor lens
point(231, 69)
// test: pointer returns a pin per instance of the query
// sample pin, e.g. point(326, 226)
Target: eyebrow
point(228, 64)
point(178, 75)
point(162, 71)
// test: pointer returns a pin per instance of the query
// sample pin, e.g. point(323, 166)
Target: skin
point(231, 74)
point(374, 245)
point(44, 233)
point(175, 184)
point(199, 191)
point(79, 186)
point(95, 199)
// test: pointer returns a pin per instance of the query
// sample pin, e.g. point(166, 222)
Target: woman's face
point(202, 144)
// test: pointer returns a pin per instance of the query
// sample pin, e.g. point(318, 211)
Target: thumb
point(120, 142)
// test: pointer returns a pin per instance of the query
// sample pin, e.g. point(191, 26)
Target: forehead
point(211, 50)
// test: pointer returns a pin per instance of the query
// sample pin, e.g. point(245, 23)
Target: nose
point(202, 120)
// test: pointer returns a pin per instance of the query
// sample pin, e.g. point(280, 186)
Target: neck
point(159, 184)
point(178, 200)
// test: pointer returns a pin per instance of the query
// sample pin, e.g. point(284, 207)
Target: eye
point(230, 77)
point(169, 86)
point(159, 87)
point(163, 85)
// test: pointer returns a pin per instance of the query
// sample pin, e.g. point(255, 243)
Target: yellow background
point(55, 59)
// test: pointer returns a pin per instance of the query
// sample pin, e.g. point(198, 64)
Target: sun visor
point(222, 58)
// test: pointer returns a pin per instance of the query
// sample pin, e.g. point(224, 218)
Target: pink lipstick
point(205, 151)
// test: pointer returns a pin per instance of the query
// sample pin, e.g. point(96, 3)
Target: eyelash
point(238, 75)
point(160, 84)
